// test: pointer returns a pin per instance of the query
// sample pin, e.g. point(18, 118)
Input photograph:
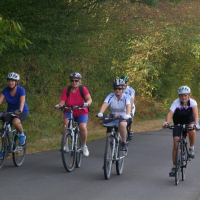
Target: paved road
point(145, 175)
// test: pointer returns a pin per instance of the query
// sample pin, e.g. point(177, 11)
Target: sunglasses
point(118, 88)
point(75, 81)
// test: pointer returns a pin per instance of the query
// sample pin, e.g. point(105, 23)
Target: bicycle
point(182, 154)
point(71, 150)
point(113, 153)
point(9, 140)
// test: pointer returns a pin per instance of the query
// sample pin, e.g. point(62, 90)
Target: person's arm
point(1, 98)
point(128, 109)
point(88, 99)
point(168, 117)
point(21, 105)
point(103, 107)
point(195, 114)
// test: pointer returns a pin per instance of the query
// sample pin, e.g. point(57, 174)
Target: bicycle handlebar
point(182, 126)
point(70, 107)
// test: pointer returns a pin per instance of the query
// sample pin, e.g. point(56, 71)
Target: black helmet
point(118, 82)
point(75, 75)
point(125, 78)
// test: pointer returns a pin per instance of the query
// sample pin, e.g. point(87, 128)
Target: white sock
point(192, 148)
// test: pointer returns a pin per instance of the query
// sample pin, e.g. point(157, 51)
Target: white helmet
point(184, 90)
point(75, 75)
point(118, 82)
point(13, 76)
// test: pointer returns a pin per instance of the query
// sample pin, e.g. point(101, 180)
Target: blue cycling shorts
point(80, 119)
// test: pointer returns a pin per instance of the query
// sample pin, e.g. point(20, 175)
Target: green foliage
point(10, 34)
point(157, 47)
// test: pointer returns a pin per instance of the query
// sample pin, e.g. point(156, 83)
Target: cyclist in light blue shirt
point(15, 97)
point(120, 104)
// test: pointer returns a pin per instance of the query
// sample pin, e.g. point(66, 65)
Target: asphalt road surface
point(145, 175)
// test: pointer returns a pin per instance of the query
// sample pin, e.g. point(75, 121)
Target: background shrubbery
point(157, 47)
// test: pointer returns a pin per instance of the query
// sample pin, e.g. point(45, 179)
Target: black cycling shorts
point(9, 118)
point(177, 131)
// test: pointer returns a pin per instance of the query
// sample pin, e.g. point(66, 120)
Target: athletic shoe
point(85, 151)
point(191, 152)
point(66, 148)
point(130, 135)
point(22, 140)
point(124, 146)
point(172, 172)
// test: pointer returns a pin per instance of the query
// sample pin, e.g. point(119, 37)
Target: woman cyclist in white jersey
point(184, 111)
point(131, 92)
point(119, 104)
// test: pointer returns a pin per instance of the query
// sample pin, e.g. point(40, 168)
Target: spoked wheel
point(3, 148)
point(79, 151)
point(19, 152)
point(184, 164)
point(120, 162)
point(108, 158)
point(178, 164)
point(68, 152)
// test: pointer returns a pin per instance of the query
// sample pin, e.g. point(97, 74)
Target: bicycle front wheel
point(3, 149)
point(184, 162)
point(108, 158)
point(68, 151)
point(19, 152)
point(178, 164)
point(120, 161)
point(79, 150)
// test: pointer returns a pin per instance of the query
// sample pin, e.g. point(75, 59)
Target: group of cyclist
point(121, 101)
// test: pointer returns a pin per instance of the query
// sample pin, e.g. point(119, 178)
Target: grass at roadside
point(95, 131)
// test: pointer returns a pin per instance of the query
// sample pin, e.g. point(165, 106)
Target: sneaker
point(172, 172)
point(130, 135)
point(66, 148)
point(191, 152)
point(124, 146)
point(85, 151)
point(22, 140)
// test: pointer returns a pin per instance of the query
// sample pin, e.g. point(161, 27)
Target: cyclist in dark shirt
point(184, 111)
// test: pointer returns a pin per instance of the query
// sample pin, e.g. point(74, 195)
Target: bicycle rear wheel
point(108, 158)
point(68, 151)
point(3, 149)
point(178, 164)
point(19, 152)
point(120, 162)
point(79, 150)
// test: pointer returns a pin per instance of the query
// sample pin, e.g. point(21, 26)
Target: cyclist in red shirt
point(73, 99)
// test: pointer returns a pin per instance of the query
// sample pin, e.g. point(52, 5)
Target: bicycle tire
point(120, 162)
point(178, 164)
point(79, 150)
point(3, 150)
point(19, 152)
point(68, 151)
point(184, 162)
point(108, 158)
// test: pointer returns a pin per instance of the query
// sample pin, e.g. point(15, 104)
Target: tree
point(11, 34)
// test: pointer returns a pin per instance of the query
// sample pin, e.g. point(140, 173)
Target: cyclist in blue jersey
point(15, 97)
point(120, 104)
point(184, 110)
point(131, 92)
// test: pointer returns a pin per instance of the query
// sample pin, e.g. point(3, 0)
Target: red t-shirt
point(75, 99)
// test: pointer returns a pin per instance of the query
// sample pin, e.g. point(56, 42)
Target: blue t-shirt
point(14, 102)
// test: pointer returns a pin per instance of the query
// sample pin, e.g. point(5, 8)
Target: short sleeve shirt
point(75, 99)
point(130, 91)
point(183, 115)
point(118, 106)
point(14, 102)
